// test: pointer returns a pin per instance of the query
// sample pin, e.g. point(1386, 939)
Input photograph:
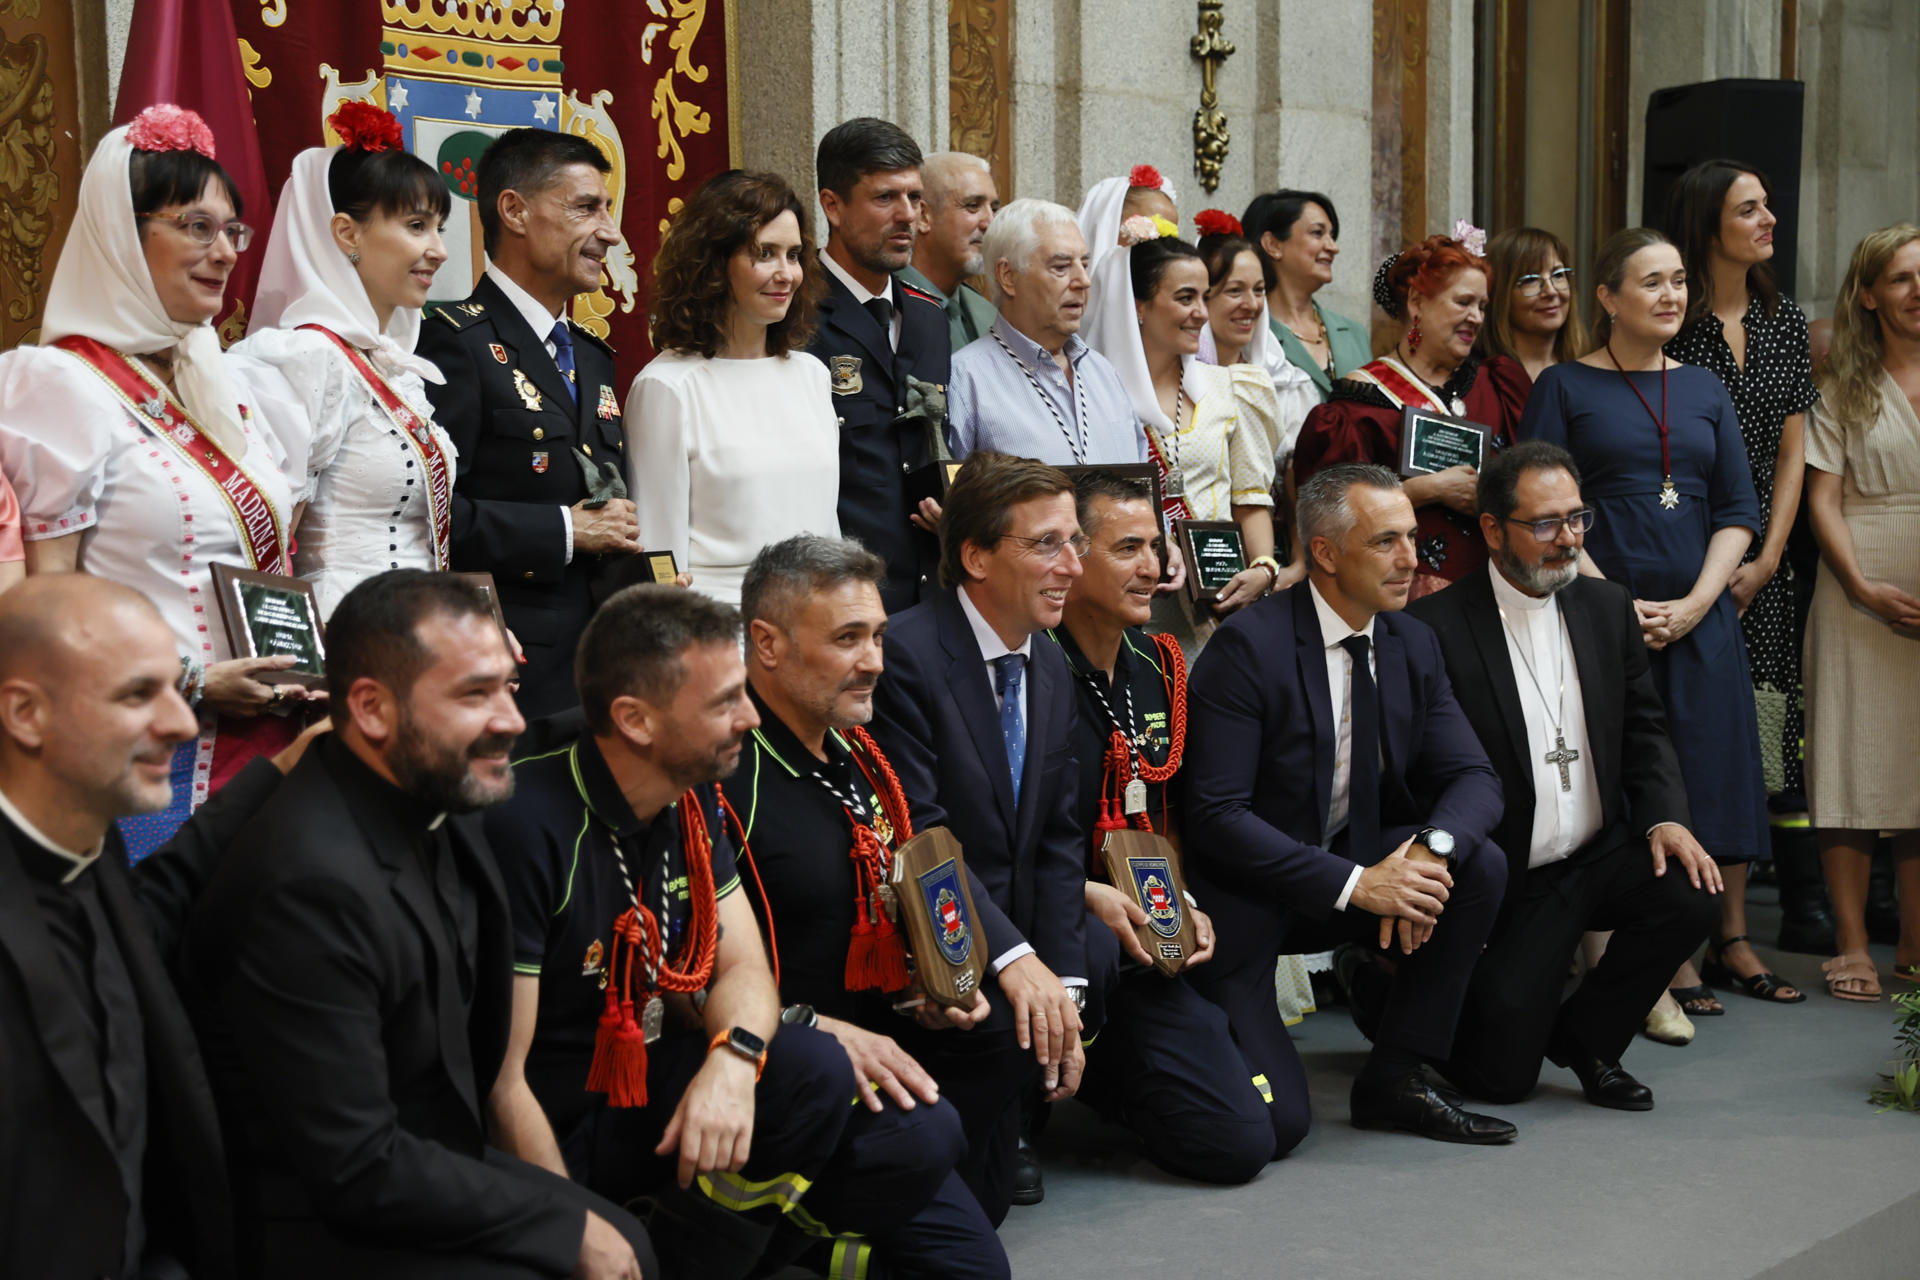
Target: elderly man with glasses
point(1550, 668)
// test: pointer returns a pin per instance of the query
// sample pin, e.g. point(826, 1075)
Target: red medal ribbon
point(1175, 508)
point(1397, 386)
point(419, 435)
point(254, 516)
point(1666, 454)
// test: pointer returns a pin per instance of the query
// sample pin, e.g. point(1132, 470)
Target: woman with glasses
point(356, 243)
point(132, 452)
point(1661, 459)
point(1533, 317)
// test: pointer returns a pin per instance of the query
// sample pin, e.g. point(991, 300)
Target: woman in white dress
point(356, 243)
point(733, 440)
point(131, 453)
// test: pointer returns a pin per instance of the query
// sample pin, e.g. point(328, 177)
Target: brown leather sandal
point(1852, 977)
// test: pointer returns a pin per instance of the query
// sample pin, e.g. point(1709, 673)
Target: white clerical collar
point(1508, 596)
point(861, 294)
point(538, 318)
point(80, 861)
point(991, 645)
point(1333, 627)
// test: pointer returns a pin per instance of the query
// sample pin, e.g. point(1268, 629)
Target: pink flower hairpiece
point(166, 127)
point(1138, 230)
point(1471, 238)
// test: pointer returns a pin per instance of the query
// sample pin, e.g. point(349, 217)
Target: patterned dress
point(1776, 384)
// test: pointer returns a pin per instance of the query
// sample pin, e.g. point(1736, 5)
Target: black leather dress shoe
point(1027, 1187)
point(1410, 1103)
point(1606, 1084)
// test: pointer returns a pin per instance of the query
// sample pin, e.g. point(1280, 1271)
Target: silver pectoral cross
point(1563, 756)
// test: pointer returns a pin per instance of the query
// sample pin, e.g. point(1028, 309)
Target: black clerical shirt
point(1137, 700)
point(95, 975)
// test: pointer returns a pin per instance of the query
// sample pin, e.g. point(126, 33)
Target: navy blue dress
point(1657, 554)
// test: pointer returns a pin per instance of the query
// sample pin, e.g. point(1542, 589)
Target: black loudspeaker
point(1756, 122)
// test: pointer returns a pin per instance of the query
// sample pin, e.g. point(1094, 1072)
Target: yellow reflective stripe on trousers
point(1266, 1090)
point(849, 1261)
point(731, 1191)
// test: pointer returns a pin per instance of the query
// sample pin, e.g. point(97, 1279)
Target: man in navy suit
point(1335, 791)
point(977, 716)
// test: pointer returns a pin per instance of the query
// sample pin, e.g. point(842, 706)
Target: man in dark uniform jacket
point(110, 1156)
point(607, 830)
point(349, 969)
point(976, 715)
point(812, 787)
point(885, 344)
point(1164, 1064)
point(533, 406)
point(1595, 828)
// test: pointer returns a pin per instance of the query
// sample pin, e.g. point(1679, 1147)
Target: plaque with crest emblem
point(1146, 867)
point(945, 949)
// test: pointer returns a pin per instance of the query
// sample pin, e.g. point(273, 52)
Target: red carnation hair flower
point(365, 127)
point(1145, 175)
point(166, 127)
point(1216, 222)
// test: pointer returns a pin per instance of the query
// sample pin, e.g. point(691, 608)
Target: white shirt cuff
point(1018, 953)
point(1656, 826)
point(1346, 894)
point(566, 522)
point(1071, 983)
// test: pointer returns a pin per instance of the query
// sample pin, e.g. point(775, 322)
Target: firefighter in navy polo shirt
point(644, 1059)
point(824, 813)
point(1165, 1064)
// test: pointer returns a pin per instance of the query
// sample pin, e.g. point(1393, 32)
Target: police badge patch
point(540, 461)
point(499, 352)
point(591, 965)
point(846, 375)
point(529, 395)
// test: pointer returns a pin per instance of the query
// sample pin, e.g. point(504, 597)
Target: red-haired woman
point(1439, 288)
point(734, 443)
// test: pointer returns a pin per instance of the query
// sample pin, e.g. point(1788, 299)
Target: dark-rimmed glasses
point(1548, 530)
point(1049, 547)
point(203, 228)
point(1530, 285)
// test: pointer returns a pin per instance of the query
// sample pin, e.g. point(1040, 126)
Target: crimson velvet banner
point(647, 81)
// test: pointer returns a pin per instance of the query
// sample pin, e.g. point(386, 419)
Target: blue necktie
point(563, 356)
point(1007, 672)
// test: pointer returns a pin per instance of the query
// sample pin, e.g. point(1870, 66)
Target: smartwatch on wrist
point(1438, 843)
point(746, 1044)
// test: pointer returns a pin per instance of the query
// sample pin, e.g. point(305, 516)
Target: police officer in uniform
point(823, 813)
point(644, 1051)
point(886, 346)
point(1164, 1064)
point(539, 500)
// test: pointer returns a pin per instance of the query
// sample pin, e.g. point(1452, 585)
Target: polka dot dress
point(1776, 384)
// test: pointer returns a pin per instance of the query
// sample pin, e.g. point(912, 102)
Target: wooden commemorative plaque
point(936, 909)
point(1147, 867)
point(1431, 442)
point(1215, 552)
point(269, 614)
point(647, 566)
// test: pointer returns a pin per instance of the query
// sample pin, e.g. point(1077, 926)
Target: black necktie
point(1363, 770)
point(882, 311)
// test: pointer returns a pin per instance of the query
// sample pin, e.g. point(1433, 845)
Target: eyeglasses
point(1530, 285)
point(202, 229)
point(1548, 530)
point(1050, 547)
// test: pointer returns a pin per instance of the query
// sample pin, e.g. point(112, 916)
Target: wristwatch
point(1438, 843)
point(799, 1015)
point(746, 1044)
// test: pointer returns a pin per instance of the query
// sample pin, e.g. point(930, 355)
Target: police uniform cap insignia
point(540, 462)
point(499, 352)
point(609, 407)
point(846, 375)
point(529, 394)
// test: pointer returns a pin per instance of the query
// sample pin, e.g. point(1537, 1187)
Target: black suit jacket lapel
point(1490, 638)
point(1600, 691)
point(527, 349)
point(1311, 655)
point(23, 934)
point(1396, 703)
point(858, 324)
point(967, 677)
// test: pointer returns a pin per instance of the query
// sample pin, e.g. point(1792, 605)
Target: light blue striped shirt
point(991, 404)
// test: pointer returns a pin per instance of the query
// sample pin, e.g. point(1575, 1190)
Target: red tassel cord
point(1123, 764)
point(876, 951)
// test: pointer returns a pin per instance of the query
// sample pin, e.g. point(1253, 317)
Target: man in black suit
point(885, 344)
point(110, 1157)
point(532, 404)
point(976, 714)
point(1336, 791)
point(1552, 672)
point(350, 970)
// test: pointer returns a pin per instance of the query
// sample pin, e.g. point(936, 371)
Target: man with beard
point(886, 347)
point(824, 814)
point(1552, 672)
point(350, 971)
point(532, 405)
point(644, 1060)
point(956, 207)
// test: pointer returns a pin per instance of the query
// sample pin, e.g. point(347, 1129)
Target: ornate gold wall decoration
point(258, 76)
point(678, 118)
point(27, 176)
point(1210, 136)
point(978, 78)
